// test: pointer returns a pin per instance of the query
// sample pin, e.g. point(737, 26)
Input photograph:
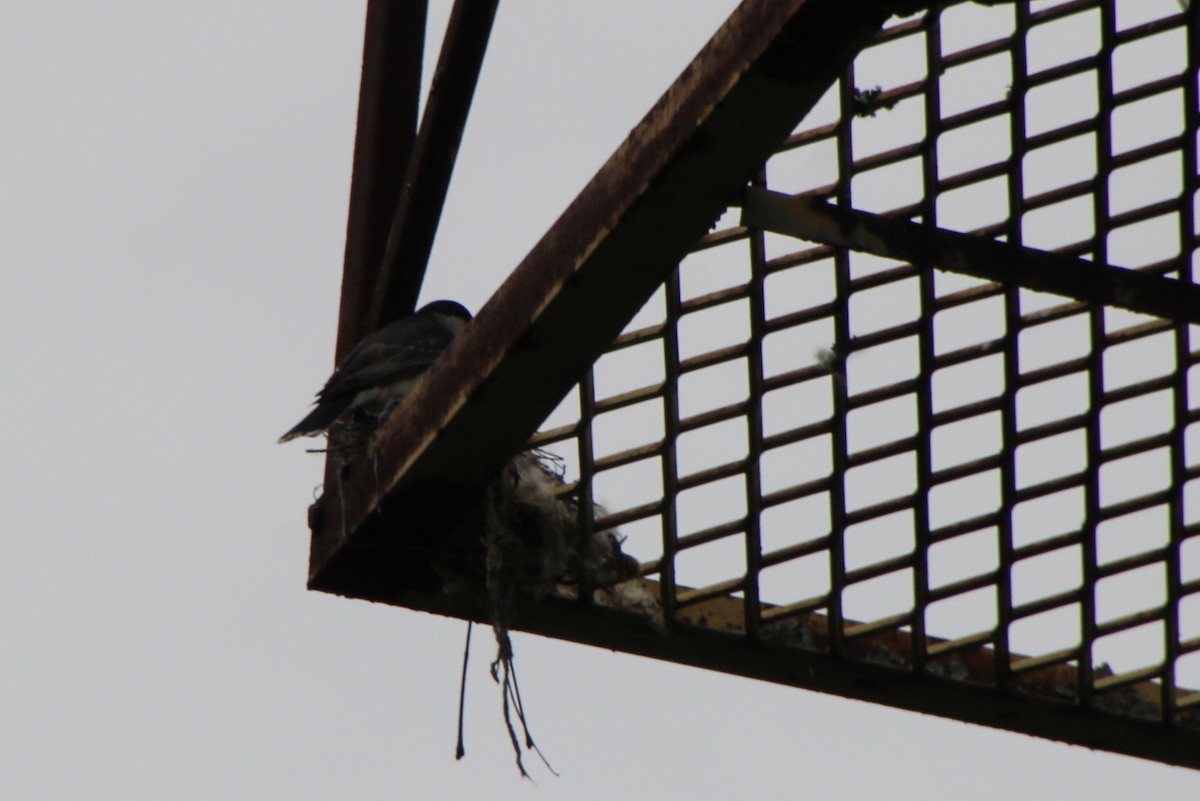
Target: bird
point(384, 367)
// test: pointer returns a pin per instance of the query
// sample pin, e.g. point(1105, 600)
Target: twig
point(461, 751)
point(505, 690)
point(520, 706)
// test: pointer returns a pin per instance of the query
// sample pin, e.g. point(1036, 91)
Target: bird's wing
point(385, 358)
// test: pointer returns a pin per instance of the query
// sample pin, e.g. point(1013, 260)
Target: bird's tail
point(318, 420)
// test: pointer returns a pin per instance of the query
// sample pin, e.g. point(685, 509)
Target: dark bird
point(384, 368)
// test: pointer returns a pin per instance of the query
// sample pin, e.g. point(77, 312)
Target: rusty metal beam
point(926, 246)
point(875, 668)
point(388, 99)
point(662, 189)
point(422, 193)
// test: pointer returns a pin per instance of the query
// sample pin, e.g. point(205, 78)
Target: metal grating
point(941, 452)
point(948, 475)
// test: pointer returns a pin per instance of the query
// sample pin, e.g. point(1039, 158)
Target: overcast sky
point(173, 192)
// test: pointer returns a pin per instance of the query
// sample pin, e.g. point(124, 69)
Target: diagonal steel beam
point(422, 193)
point(926, 246)
point(388, 98)
point(663, 188)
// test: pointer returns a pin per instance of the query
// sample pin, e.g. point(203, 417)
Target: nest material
point(543, 537)
point(536, 540)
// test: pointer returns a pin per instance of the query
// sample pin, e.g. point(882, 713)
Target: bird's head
point(451, 314)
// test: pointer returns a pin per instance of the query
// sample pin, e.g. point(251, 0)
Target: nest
point(537, 541)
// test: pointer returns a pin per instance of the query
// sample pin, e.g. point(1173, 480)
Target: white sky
point(173, 194)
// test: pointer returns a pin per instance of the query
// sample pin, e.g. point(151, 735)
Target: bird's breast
point(378, 400)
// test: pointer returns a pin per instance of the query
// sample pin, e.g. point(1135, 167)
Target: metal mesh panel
point(915, 467)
